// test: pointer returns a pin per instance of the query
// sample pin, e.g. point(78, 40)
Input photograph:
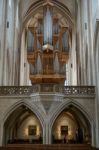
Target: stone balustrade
point(47, 88)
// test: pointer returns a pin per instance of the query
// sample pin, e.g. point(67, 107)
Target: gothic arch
point(31, 11)
point(65, 105)
point(77, 105)
point(32, 107)
point(38, 4)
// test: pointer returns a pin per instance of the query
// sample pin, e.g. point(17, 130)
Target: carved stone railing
point(47, 88)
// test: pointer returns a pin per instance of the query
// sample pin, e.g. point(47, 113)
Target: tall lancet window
point(48, 24)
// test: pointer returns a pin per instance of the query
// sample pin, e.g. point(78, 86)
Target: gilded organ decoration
point(50, 50)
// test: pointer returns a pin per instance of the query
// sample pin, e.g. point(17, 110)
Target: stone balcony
point(81, 91)
point(47, 101)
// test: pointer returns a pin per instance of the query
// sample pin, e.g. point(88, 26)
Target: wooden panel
point(48, 147)
point(47, 78)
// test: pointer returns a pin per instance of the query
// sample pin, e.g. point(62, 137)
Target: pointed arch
point(66, 104)
point(81, 108)
point(32, 107)
point(38, 4)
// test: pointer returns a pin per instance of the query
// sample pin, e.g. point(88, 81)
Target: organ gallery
point(48, 46)
point(49, 74)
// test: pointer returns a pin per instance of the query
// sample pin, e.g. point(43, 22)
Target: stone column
point(97, 117)
point(50, 135)
point(79, 45)
point(44, 134)
point(97, 85)
point(3, 34)
point(93, 135)
point(16, 45)
point(22, 57)
point(84, 43)
point(91, 67)
point(8, 44)
point(1, 134)
point(6, 47)
point(91, 38)
point(47, 132)
point(73, 60)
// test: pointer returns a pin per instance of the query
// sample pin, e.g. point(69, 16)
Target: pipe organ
point(48, 48)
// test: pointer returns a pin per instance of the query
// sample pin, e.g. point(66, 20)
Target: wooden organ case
point(48, 48)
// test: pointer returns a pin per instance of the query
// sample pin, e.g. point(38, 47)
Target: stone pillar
point(91, 38)
point(2, 45)
point(1, 134)
point(91, 67)
point(1, 35)
point(44, 134)
point(50, 135)
point(73, 60)
point(85, 44)
point(97, 83)
point(24, 66)
point(81, 42)
point(78, 42)
point(6, 48)
point(97, 118)
point(85, 35)
point(8, 44)
point(93, 135)
point(47, 132)
point(22, 61)
point(16, 45)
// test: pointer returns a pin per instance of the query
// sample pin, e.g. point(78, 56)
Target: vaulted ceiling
point(71, 4)
point(32, 7)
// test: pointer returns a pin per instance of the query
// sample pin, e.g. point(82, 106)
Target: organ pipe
point(65, 42)
point(48, 24)
point(30, 41)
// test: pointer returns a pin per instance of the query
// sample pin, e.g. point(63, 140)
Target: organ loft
point(47, 46)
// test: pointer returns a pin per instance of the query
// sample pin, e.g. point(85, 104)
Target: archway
point(32, 41)
point(71, 126)
point(22, 126)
